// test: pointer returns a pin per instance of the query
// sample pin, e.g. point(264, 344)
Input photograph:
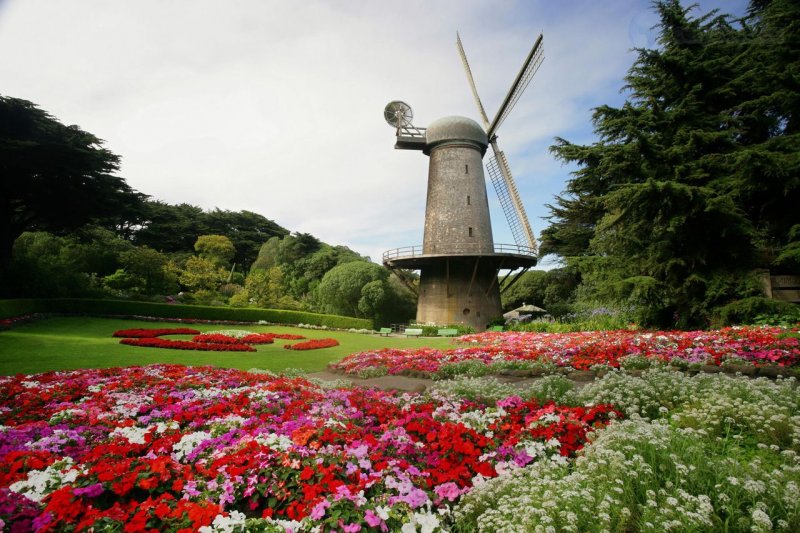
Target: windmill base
point(459, 291)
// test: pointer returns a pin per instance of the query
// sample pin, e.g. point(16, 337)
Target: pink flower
point(372, 519)
point(319, 510)
point(448, 490)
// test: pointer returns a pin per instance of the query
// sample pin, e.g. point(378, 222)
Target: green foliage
point(55, 177)
point(47, 265)
point(304, 260)
point(215, 248)
point(265, 289)
point(756, 309)
point(429, 330)
point(202, 274)
point(694, 181)
point(552, 290)
point(175, 228)
point(96, 307)
point(362, 289)
point(144, 272)
point(18, 307)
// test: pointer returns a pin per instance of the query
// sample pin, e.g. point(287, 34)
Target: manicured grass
point(67, 343)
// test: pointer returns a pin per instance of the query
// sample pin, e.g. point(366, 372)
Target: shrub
point(747, 310)
point(83, 306)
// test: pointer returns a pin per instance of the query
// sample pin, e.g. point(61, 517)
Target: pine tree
point(694, 180)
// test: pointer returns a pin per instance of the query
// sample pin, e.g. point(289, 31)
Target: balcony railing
point(408, 252)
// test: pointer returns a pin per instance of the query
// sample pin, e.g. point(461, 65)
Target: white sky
point(276, 106)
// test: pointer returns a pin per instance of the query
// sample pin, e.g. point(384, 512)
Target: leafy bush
point(159, 310)
point(432, 330)
point(12, 308)
point(749, 310)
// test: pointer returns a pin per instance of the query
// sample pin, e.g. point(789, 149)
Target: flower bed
point(751, 345)
point(187, 345)
point(215, 338)
point(175, 448)
point(150, 333)
point(215, 341)
point(313, 344)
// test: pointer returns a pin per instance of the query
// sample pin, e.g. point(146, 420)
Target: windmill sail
point(529, 68)
point(499, 171)
point(506, 190)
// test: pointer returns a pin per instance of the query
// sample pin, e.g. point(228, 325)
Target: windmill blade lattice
point(506, 189)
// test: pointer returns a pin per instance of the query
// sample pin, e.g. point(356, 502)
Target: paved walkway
point(405, 383)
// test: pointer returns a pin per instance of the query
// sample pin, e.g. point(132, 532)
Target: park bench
point(448, 332)
point(413, 332)
point(496, 328)
point(385, 331)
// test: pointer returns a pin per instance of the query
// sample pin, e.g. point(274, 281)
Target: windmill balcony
point(414, 257)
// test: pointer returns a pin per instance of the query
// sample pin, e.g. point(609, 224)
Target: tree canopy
point(55, 177)
point(175, 228)
point(695, 180)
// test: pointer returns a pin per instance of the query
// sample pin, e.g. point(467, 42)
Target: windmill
point(458, 260)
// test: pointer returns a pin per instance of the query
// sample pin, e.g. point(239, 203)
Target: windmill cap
point(455, 129)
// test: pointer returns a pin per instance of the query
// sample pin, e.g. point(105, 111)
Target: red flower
point(149, 333)
point(313, 344)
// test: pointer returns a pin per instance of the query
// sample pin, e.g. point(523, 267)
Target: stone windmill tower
point(458, 260)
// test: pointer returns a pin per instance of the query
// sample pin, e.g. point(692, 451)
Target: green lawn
point(67, 343)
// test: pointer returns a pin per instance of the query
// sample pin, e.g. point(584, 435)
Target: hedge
point(94, 307)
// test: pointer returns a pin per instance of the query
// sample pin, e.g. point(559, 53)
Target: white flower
point(188, 443)
point(382, 512)
point(761, 521)
point(134, 435)
point(427, 522)
point(225, 524)
point(40, 483)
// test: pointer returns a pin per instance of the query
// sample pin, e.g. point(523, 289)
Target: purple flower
point(92, 491)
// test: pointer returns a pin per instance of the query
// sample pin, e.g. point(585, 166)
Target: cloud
point(276, 107)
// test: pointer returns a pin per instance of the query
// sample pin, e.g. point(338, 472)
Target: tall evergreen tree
point(694, 180)
point(54, 177)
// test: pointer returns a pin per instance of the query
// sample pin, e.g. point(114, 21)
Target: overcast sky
point(276, 106)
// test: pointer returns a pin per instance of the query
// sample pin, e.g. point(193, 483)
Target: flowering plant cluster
point(9, 322)
point(583, 350)
point(216, 338)
point(176, 448)
point(222, 341)
point(151, 333)
point(313, 344)
point(187, 345)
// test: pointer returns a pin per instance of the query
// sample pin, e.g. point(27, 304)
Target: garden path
point(406, 383)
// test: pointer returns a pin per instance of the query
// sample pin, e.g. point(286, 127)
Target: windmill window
point(470, 232)
point(468, 200)
point(466, 169)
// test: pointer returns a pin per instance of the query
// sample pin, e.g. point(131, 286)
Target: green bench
point(448, 332)
point(413, 332)
point(385, 331)
point(496, 328)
